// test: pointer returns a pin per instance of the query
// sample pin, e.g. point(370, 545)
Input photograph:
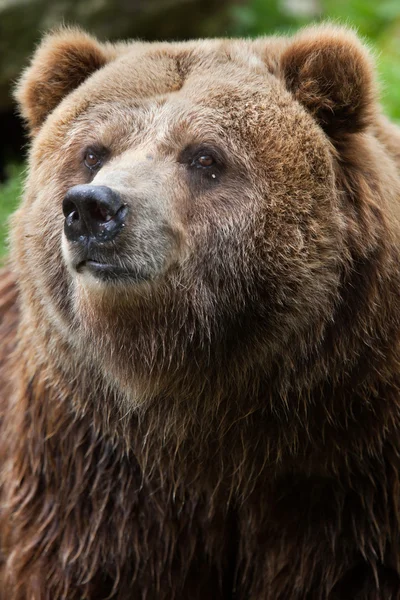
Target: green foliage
point(263, 17)
point(9, 196)
point(389, 68)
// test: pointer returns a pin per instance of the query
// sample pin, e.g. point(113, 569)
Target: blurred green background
point(378, 21)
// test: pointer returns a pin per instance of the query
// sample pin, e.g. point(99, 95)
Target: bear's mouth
point(109, 272)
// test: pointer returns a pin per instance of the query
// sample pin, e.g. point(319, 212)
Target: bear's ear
point(64, 59)
point(331, 73)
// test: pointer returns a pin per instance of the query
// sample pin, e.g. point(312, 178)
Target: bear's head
point(192, 210)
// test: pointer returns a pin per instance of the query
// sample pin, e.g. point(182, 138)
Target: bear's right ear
point(62, 62)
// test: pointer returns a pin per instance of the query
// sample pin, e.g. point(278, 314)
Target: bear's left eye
point(204, 162)
point(92, 160)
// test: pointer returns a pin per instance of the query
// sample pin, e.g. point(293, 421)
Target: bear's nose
point(93, 211)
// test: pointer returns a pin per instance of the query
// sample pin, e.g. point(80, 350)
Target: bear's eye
point(92, 160)
point(204, 161)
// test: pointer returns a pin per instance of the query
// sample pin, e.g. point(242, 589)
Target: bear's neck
point(303, 417)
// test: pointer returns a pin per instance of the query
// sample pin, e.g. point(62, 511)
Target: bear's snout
point(93, 212)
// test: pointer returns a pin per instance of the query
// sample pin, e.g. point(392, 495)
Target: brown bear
point(200, 330)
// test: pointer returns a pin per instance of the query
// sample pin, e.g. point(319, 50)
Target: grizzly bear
point(200, 325)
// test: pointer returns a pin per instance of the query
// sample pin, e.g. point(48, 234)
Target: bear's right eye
point(92, 160)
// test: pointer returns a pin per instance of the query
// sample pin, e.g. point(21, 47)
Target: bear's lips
point(107, 271)
point(94, 265)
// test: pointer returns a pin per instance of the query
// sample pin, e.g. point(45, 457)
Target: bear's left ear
point(64, 59)
point(331, 73)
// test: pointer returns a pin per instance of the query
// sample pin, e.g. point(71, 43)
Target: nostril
point(70, 210)
point(99, 212)
point(72, 218)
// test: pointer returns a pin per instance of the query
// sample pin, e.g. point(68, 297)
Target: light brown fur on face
point(200, 374)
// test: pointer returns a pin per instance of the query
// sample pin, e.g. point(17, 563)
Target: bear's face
point(181, 206)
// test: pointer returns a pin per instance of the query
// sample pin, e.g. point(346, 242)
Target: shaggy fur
point(228, 427)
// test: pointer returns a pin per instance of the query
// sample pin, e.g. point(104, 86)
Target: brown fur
point(230, 427)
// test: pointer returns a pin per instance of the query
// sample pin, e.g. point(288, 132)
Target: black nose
point(93, 211)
